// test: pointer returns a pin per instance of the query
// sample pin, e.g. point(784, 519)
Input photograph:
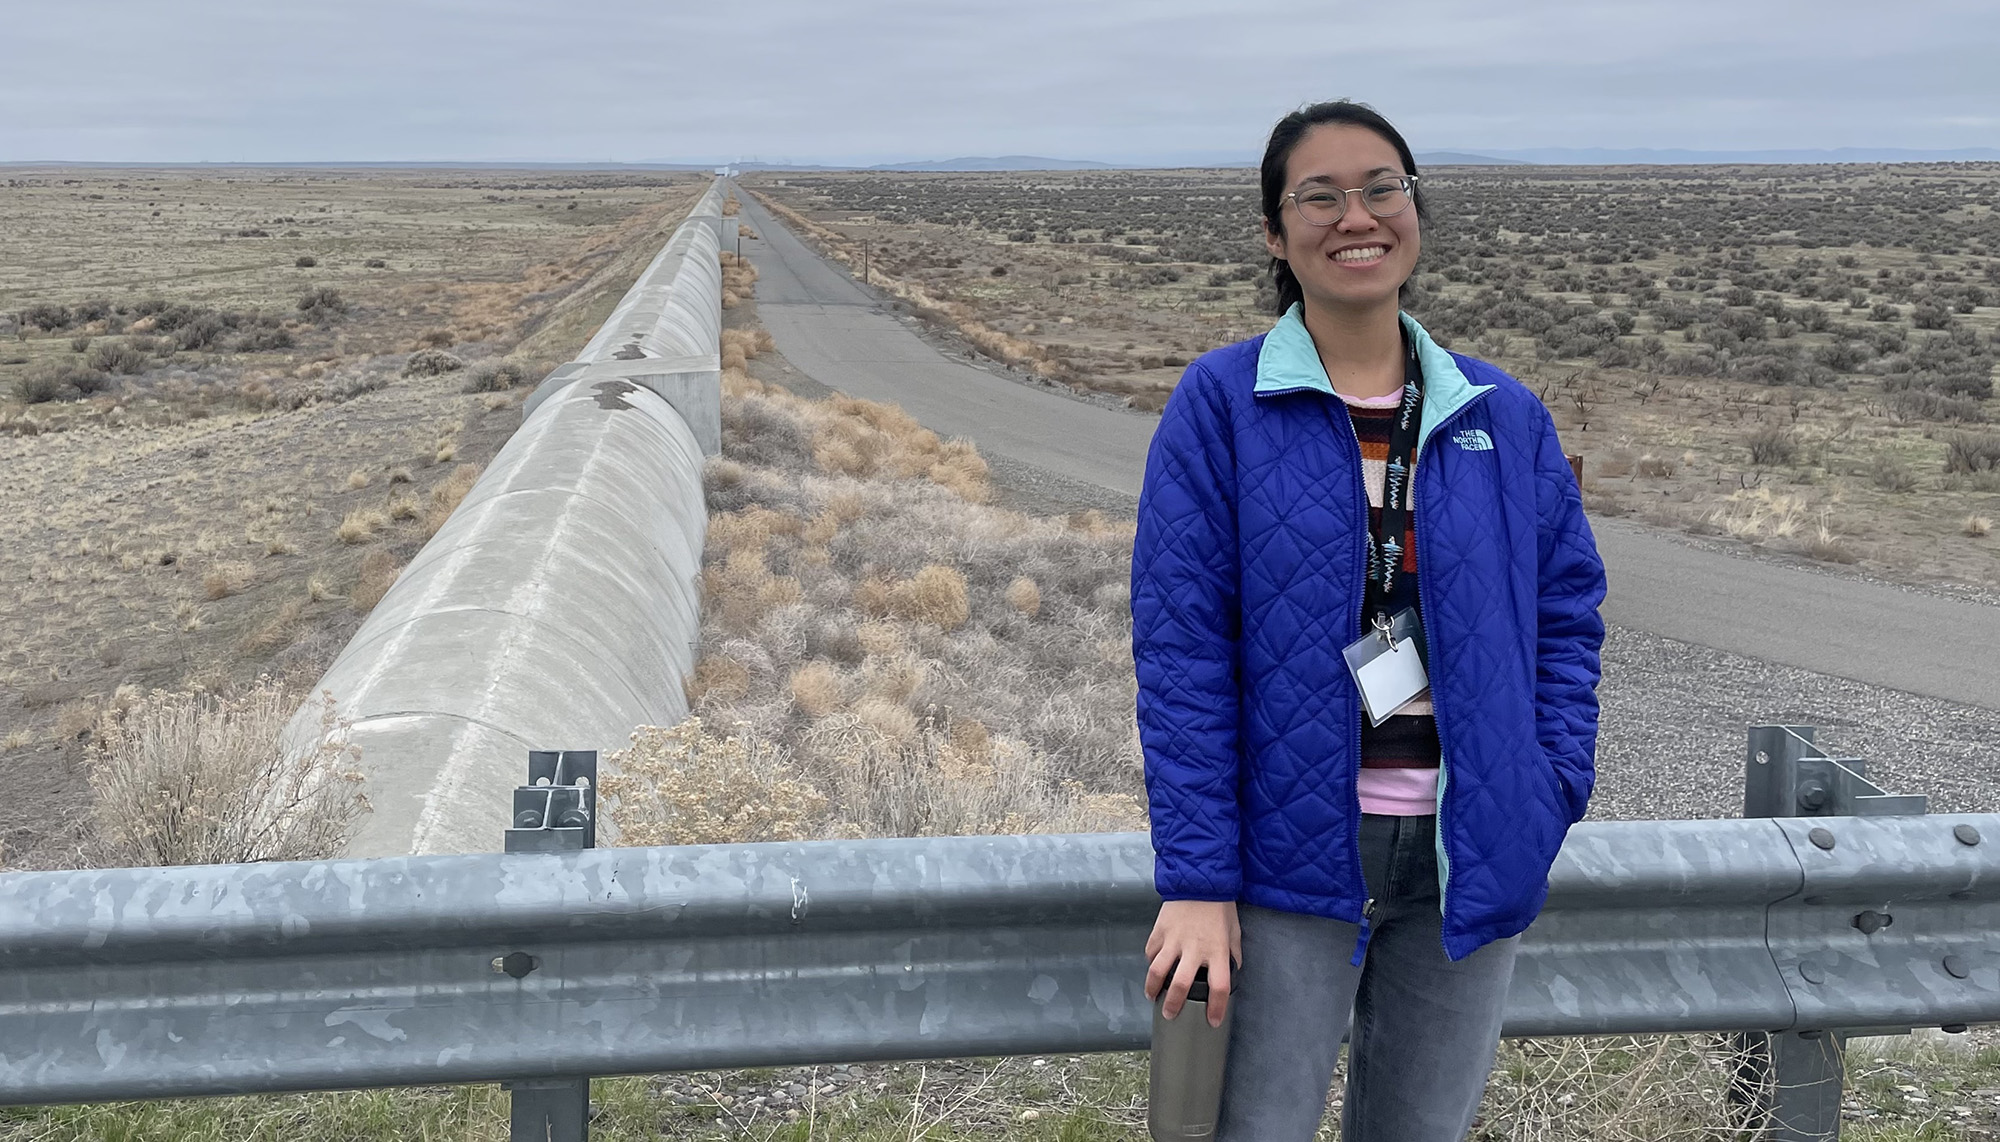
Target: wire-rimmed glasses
point(1384, 197)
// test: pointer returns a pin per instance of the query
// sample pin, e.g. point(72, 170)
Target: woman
point(1378, 872)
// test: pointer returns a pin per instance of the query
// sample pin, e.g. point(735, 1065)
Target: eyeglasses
point(1384, 197)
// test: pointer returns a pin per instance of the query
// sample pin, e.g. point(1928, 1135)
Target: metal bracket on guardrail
point(555, 812)
point(1793, 1079)
point(1786, 775)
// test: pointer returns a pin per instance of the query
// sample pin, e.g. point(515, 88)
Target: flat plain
point(218, 457)
point(826, 622)
point(1798, 359)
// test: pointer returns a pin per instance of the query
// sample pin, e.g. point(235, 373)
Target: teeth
point(1361, 254)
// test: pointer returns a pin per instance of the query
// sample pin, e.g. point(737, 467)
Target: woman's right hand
point(1188, 936)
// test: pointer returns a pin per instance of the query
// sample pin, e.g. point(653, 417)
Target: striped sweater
point(1399, 758)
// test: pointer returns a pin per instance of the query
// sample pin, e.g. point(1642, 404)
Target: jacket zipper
point(1437, 709)
point(1360, 486)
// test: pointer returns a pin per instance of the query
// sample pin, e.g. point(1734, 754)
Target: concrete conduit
point(558, 607)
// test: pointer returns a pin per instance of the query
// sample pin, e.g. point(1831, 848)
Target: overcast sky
point(879, 80)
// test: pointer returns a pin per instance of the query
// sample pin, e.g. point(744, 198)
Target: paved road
point(838, 333)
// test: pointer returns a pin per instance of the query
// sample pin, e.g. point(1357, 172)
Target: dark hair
point(1278, 153)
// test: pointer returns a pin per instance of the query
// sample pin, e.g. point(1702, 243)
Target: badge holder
point(1388, 665)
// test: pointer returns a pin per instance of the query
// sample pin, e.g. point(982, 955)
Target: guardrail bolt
point(1871, 921)
point(516, 964)
point(1956, 968)
point(1823, 838)
point(1811, 972)
point(1966, 834)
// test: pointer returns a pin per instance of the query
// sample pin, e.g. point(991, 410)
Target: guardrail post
point(1791, 1081)
point(556, 811)
point(1788, 1084)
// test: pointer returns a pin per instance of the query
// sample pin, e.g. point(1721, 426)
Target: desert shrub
point(431, 363)
point(58, 380)
point(201, 331)
point(1772, 445)
point(196, 778)
point(375, 264)
point(1922, 404)
point(1891, 475)
point(1841, 356)
point(48, 318)
point(263, 339)
point(322, 304)
point(1675, 315)
point(1931, 315)
point(871, 626)
point(305, 261)
point(685, 785)
point(1972, 452)
point(118, 357)
point(494, 378)
point(38, 385)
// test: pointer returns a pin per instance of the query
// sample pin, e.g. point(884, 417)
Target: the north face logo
point(1473, 440)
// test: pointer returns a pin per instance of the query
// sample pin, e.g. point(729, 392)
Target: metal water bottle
point(1187, 1060)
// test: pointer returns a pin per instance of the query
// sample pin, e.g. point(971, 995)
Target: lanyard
point(1385, 552)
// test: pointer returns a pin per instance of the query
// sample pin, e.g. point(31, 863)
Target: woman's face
point(1358, 261)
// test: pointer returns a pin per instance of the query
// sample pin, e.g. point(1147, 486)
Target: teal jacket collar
point(1289, 362)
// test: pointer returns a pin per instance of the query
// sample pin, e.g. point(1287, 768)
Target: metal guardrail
point(531, 967)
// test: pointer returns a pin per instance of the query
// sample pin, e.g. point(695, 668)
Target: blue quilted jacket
point(1247, 580)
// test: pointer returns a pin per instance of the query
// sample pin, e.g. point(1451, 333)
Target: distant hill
point(1603, 156)
point(1002, 163)
point(1463, 159)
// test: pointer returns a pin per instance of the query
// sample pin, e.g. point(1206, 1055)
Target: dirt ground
point(222, 512)
point(1796, 358)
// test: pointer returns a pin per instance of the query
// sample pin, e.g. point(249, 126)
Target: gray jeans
point(1423, 1031)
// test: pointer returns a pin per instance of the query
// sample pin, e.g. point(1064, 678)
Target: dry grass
point(227, 578)
point(1024, 596)
point(739, 278)
point(195, 778)
point(276, 633)
point(210, 459)
point(1826, 544)
point(934, 595)
point(447, 495)
point(741, 346)
point(866, 625)
point(378, 573)
point(1760, 513)
point(1976, 526)
point(361, 526)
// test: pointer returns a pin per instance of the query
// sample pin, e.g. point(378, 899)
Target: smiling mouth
point(1361, 254)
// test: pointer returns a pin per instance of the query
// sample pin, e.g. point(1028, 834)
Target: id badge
point(1387, 666)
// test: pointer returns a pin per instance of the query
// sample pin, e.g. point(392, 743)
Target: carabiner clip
point(1383, 627)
